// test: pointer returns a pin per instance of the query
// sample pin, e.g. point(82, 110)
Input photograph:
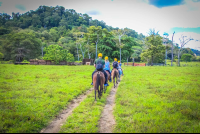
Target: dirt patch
point(107, 120)
point(55, 125)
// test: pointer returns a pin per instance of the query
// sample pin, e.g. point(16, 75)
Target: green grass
point(182, 63)
point(85, 118)
point(31, 96)
point(158, 99)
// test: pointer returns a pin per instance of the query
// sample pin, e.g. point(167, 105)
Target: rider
point(115, 64)
point(119, 67)
point(107, 66)
point(98, 63)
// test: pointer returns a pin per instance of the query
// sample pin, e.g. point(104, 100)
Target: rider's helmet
point(115, 59)
point(100, 55)
point(106, 58)
point(118, 61)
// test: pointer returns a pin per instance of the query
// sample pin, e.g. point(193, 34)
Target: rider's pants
point(105, 74)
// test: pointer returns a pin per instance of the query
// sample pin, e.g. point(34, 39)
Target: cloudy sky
point(181, 16)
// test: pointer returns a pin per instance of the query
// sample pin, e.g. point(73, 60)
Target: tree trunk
point(178, 58)
point(42, 52)
point(172, 51)
point(77, 53)
point(96, 50)
point(152, 61)
point(133, 60)
point(127, 61)
point(166, 57)
point(120, 47)
point(120, 54)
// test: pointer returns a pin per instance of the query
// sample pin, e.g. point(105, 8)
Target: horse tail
point(115, 74)
point(98, 81)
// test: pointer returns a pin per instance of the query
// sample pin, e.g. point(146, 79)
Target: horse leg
point(114, 82)
point(99, 94)
point(95, 94)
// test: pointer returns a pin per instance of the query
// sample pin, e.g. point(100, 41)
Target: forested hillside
point(56, 33)
point(26, 35)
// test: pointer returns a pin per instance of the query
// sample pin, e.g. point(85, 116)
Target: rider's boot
point(106, 84)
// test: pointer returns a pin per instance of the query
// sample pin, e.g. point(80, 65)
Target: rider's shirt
point(116, 62)
point(119, 66)
point(107, 64)
point(99, 60)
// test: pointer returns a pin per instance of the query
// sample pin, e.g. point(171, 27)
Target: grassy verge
point(85, 118)
point(30, 96)
point(158, 100)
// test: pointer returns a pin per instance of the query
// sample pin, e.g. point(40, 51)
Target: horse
point(98, 80)
point(114, 75)
point(108, 78)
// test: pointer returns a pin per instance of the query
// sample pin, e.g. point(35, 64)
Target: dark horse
point(98, 80)
point(114, 75)
point(108, 78)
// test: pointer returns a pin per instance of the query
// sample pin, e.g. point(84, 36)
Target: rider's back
point(107, 65)
point(99, 64)
point(115, 64)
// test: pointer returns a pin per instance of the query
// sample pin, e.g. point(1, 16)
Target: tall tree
point(118, 34)
point(172, 49)
point(95, 35)
point(183, 42)
point(154, 47)
point(165, 35)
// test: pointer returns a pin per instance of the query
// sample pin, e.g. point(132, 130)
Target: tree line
point(56, 33)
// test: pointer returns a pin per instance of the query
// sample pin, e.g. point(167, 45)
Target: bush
point(25, 61)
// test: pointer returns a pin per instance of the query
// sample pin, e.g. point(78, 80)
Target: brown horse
point(108, 78)
point(114, 75)
point(98, 80)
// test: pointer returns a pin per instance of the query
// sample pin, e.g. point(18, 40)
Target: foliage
point(186, 57)
point(1, 55)
point(57, 54)
point(21, 45)
point(154, 52)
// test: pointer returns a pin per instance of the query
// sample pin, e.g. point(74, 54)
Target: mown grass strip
point(85, 118)
point(31, 96)
point(158, 100)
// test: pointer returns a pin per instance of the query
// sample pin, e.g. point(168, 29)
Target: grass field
point(158, 99)
point(149, 99)
point(30, 96)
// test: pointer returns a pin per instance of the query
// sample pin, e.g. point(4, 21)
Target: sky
point(181, 16)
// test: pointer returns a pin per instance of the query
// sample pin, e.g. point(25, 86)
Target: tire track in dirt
point(54, 126)
point(107, 120)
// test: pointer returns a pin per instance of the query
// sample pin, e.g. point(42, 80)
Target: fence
point(155, 64)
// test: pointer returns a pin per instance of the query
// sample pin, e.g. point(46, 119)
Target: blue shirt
point(107, 64)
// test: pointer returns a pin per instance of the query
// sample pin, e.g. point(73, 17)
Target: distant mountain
point(197, 52)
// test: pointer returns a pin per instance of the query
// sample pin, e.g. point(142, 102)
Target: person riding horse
point(120, 67)
point(115, 64)
point(107, 66)
point(99, 64)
